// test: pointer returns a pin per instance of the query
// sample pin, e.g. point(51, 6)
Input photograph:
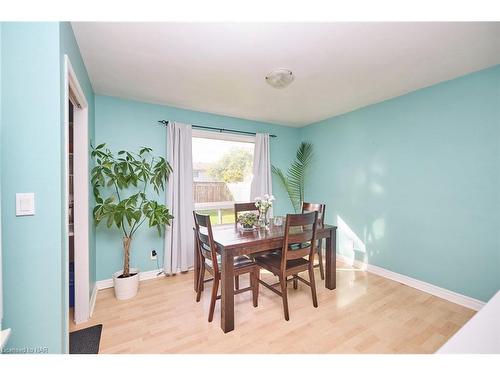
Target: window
point(222, 173)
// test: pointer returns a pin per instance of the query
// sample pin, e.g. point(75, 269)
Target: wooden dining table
point(232, 241)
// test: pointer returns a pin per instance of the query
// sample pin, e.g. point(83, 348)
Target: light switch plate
point(25, 204)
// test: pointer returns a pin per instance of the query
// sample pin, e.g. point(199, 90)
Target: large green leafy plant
point(120, 183)
point(294, 179)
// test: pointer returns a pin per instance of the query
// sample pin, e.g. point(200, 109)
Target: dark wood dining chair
point(242, 207)
point(320, 208)
point(297, 255)
point(211, 261)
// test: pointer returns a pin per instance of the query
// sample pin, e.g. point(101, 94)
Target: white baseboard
point(92, 300)
point(146, 275)
point(437, 291)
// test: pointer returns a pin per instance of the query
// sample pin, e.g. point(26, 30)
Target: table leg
point(196, 262)
point(331, 260)
point(227, 291)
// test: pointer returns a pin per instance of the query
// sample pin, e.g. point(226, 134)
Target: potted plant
point(247, 220)
point(122, 185)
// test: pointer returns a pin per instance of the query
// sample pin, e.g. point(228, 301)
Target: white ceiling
point(220, 67)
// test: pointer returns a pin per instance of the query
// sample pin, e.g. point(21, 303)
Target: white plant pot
point(126, 288)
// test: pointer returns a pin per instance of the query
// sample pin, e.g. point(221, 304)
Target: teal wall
point(416, 178)
point(125, 124)
point(31, 162)
point(35, 252)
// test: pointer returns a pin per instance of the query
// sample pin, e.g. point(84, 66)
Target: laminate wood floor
point(365, 314)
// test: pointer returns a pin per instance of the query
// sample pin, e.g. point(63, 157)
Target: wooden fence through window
point(204, 192)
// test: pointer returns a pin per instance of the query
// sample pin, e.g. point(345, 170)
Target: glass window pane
point(222, 174)
point(225, 216)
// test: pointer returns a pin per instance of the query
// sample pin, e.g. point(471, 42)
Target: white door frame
point(80, 189)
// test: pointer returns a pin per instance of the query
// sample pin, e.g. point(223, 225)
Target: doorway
point(77, 198)
point(71, 216)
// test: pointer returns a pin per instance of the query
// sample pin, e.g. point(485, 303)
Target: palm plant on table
point(294, 180)
point(121, 185)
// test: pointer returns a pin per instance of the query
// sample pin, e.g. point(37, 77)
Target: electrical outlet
point(153, 255)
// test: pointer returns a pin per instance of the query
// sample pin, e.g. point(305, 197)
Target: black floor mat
point(85, 341)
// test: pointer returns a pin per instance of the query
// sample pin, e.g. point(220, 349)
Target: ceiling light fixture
point(280, 78)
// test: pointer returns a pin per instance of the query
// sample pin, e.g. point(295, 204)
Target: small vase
point(263, 220)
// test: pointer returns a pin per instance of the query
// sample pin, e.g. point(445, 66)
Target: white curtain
point(178, 252)
point(261, 182)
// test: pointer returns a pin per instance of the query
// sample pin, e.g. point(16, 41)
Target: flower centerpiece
point(247, 220)
point(263, 204)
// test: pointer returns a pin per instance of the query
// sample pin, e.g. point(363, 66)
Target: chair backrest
point(300, 237)
point(244, 207)
point(319, 207)
point(206, 244)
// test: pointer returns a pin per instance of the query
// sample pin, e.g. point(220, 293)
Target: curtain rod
point(221, 130)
